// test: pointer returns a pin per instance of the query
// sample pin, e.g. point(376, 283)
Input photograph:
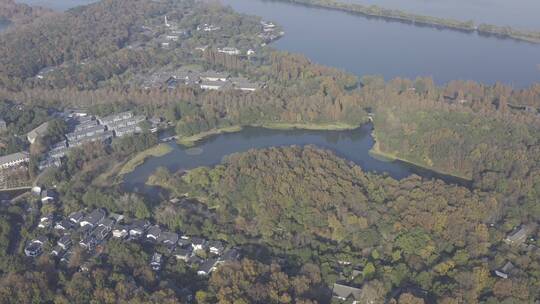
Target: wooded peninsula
point(375, 11)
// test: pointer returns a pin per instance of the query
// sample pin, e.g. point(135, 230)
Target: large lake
point(353, 145)
point(516, 13)
point(3, 25)
point(363, 45)
point(377, 47)
point(60, 5)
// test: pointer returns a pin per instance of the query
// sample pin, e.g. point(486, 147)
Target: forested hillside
point(313, 207)
point(20, 13)
point(303, 217)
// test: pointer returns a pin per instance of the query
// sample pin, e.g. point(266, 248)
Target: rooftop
point(344, 291)
point(13, 157)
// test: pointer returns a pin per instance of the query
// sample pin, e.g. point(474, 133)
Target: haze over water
point(391, 49)
point(363, 46)
point(516, 13)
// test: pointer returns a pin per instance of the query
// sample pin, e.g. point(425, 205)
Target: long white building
point(14, 159)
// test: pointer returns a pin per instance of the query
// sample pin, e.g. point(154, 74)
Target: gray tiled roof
point(344, 291)
point(13, 157)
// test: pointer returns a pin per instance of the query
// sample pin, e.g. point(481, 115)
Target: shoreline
point(376, 152)
point(192, 140)
point(423, 20)
point(139, 159)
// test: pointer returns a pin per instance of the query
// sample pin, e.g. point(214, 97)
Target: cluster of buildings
point(209, 80)
point(521, 238)
point(91, 230)
point(83, 128)
point(269, 32)
point(86, 128)
point(208, 27)
point(173, 34)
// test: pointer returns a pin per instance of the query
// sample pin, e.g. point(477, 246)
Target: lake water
point(3, 25)
point(59, 5)
point(353, 145)
point(516, 13)
point(363, 45)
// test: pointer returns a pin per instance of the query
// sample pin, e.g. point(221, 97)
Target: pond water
point(353, 145)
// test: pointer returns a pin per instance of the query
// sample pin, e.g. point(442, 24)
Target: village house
point(207, 267)
point(13, 160)
point(43, 72)
point(183, 242)
point(346, 293)
point(48, 196)
point(182, 253)
point(3, 125)
point(505, 271)
point(40, 131)
point(88, 243)
point(212, 85)
point(172, 37)
point(198, 243)
point(48, 163)
point(117, 218)
point(35, 247)
point(107, 223)
point(123, 124)
point(63, 225)
point(76, 217)
point(216, 247)
point(65, 242)
point(242, 84)
point(120, 231)
point(214, 76)
point(88, 131)
point(229, 51)
point(157, 260)
point(138, 227)
point(57, 251)
point(115, 117)
point(208, 28)
point(75, 113)
point(168, 238)
point(86, 123)
point(153, 232)
point(66, 257)
point(520, 236)
point(45, 221)
point(93, 218)
point(91, 136)
point(101, 232)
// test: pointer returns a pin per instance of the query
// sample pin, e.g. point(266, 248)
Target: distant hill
point(20, 13)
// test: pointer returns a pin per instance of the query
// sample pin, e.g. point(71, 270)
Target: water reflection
point(353, 145)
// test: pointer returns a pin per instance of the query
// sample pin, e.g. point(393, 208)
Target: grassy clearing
point(139, 159)
point(190, 141)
